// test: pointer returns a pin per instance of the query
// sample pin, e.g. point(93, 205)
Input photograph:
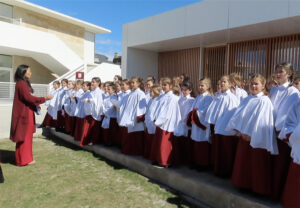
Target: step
point(203, 187)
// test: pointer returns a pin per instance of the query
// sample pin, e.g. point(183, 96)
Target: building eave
point(56, 15)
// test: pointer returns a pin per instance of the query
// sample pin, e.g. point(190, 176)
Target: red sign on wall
point(80, 75)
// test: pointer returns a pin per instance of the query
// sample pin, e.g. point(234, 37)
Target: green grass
point(66, 176)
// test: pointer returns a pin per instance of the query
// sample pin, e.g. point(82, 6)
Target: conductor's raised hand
point(48, 97)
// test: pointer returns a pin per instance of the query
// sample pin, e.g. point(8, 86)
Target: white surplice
point(254, 117)
point(95, 105)
point(202, 103)
point(295, 144)
point(185, 106)
point(276, 96)
point(290, 96)
point(134, 107)
point(220, 111)
point(79, 112)
point(109, 110)
point(291, 121)
point(120, 105)
point(167, 116)
point(151, 108)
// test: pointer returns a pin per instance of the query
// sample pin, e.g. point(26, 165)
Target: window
point(6, 68)
point(6, 12)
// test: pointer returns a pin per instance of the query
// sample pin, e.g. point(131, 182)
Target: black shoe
point(1, 176)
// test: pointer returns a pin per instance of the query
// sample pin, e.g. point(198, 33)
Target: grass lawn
point(66, 176)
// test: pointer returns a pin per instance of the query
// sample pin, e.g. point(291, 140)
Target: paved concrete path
point(202, 187)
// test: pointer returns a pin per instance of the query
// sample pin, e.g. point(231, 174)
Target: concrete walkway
point(203, 188)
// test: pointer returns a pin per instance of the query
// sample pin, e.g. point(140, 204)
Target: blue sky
point(111, 14)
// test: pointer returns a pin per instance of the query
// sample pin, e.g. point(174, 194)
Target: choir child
point(132, 117)
point(218, 92)
point(254, 123)
point(224, 142)
point(282, 96)
point(296, 83)
point(181, 140)
point(236, 83)
point(117, 78)
point(78, 92)
point(109, 123)
point(201, 140)
point(122, 100)
point(166, 119)
point(290, 196)
point(149, 84)
point(105, 90)
point(67, 107)
point(51, 110)
point(149, 117)
point(80, 115)
point(118, 88)
point(93, 109)
point(60, 123)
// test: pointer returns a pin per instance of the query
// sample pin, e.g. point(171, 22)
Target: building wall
point(141, 63)
point(40, 74)
point(73, 36)
point(174, 63)
point(207, 16)
point(89, 47)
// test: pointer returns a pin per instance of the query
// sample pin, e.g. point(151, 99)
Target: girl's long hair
point(20, 75)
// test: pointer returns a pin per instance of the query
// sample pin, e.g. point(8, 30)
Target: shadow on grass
point(113, 164)
point(180, 202)
point(58, 141)
point(7, 156)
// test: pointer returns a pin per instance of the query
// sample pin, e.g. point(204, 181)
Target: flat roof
point(62, 17)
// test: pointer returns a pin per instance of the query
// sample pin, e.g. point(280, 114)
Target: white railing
point(11, 20)
point(69, 74)
point(7, 90)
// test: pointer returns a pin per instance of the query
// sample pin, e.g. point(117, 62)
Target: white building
point(52, 44)
point(212, 38)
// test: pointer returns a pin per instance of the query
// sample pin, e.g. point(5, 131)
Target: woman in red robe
point(23, 120)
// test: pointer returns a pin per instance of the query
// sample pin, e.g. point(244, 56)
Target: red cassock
point(148, 144)
point(60, 120)
point(252, 168)
point(48, 121)
point(201, 153)
point(200, 150)
point(182, 150)
point(109, 136)
point(91, 131)
point(280, 167)
point(78, 132)
point(69, 124)
point(161, 150)
point(23, 122)
point(291, 193)
point(133, 143)
point(223, 154)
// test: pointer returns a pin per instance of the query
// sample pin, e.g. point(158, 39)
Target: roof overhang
point(262, 30)
point(62, 17)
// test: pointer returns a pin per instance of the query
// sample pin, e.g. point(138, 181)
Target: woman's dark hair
point(189, 86)
point(20, 75)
